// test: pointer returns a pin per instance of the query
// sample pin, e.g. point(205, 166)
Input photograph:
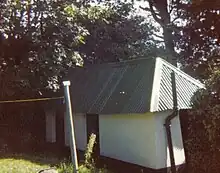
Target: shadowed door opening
point(92, 123)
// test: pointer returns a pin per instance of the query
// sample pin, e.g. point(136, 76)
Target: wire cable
point(30, 100)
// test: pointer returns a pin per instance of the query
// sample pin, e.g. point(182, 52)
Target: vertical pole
point(174, 92)
point(70, 125)
point(169, 135)
point(170, 146)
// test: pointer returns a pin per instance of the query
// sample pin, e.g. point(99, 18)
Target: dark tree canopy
point(190, 32)
point(37, 45)
point(118, 37)
point(41, 40)
point(200, 41)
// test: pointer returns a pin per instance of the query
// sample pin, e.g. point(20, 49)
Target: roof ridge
point(131, 61)
point(125, 62)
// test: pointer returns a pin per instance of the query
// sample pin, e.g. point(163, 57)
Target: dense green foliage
point(205, 59)
point(190, 31)
point(200, 41)
point(117, 34)
point(41, 40)
point(37, 45)
point(204, 127)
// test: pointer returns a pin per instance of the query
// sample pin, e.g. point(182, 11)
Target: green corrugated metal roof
point(186, 86)
point(113, 88)
point(129, 87)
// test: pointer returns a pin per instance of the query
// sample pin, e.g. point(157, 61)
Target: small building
point(126, 105)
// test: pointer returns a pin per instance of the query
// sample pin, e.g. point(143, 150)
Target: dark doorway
point(92, 122)
point(60, 137)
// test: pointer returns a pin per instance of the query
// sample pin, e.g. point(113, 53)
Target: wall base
point(118, 166)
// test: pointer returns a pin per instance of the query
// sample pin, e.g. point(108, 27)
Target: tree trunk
point(162, 16)
point(169, 44)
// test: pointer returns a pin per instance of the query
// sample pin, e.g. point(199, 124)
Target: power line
point(30, 100)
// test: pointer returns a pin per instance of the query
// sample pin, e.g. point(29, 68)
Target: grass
point(66, 168)
point(33, 163)
point(24, 163)
point(21, 163)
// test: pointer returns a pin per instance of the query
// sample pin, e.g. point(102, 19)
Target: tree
point(36, 45)
point(201, 56)
point(121, 35)
point(203, 140)
point(41, 40)
point(190, 32)
point(200, 39)
point(167, 14)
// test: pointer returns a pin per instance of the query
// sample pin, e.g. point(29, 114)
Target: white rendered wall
point(130, 138)
point(80, 131)
point(163, 158)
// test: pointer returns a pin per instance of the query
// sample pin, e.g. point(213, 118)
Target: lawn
point(20, 163)
point(33, 163)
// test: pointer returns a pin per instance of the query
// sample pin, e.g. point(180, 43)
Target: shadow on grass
point(51, 159)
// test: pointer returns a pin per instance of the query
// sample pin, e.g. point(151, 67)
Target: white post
point(70, 125)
